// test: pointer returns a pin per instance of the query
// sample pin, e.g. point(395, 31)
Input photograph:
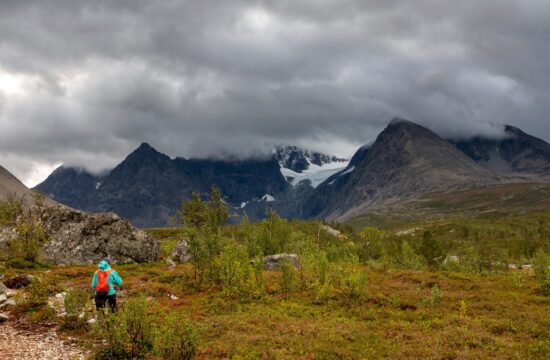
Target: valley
point(410, 249)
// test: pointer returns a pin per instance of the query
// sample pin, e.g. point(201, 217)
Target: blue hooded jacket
point(114, 278)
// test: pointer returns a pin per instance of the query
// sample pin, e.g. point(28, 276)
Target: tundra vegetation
point(460, 287)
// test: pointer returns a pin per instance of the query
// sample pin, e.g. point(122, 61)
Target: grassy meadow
point(432, 289)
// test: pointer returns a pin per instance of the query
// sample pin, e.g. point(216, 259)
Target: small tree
point(217, 210)
point(275, 233)
point(409, 259)
point(370, 247)
point(541, 264)
point(193, 212)
point(203, 221)
point(249, 239)
point(11, 209)
point(30, 237)
point(431, 249)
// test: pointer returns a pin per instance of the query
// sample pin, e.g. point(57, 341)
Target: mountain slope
point(405, 161)
point(70, 186)
point(11, 186)
point(148, 187)
point(516, 152)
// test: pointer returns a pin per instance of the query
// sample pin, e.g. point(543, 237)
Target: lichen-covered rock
point(180, 254)
point(8, 303)
point(273, 262)
point(6, 233)
point(76, 237)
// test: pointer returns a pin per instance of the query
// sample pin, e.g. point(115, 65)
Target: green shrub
point(37, 294)
point(240, 279)
point(348, 279)
point(370, 246)
point(354, 283)
point(75, 308)
point(541, 265)
point(409, 259)
point(21, 263)
point(10, 209)
point(435, 297)
point(288, 278)
point(127, 334)
point(313, 271)
point(431, 249)
point(27, 244)
point(175, 339)
point(274, 234)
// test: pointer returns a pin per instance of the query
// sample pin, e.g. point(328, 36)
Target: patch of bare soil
point(18, 342)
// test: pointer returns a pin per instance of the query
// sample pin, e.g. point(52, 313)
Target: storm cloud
point(84, 82)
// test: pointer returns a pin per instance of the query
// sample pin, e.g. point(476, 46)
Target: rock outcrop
point(76, 237)
point(6, 298)
point(273, 262)
point(180, 254)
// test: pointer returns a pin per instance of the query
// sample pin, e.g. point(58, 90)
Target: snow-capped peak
point(298, 165)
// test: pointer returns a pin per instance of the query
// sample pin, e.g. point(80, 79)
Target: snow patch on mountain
point(348, 171)
point(315, 174)
point(268, 198)
point(298, 165)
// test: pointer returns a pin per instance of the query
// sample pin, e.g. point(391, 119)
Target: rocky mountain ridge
point(148, 187)
point(293, 158)
point(514, 152)
point(406, 161)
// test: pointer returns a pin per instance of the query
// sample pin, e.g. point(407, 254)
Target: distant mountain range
point(406, 161)
point(515, 152)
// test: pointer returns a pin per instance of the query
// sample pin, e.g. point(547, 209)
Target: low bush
point(37, 294)
point(175, 338)
point(409, 259)
point(288, 280)
point(30, 238)
point(541, 265)
point(76, 301)
point(435, 297)
point(22, 264)
point(240, 279)
point(133, 333)
point(127, 334)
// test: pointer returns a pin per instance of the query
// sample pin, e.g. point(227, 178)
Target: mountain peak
point(145, 147)
point(512, 130)
point(146, 151)
point(400, 121)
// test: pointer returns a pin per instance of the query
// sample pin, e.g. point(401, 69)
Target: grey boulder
point(180, 254)
point(273, 262)
point(77, 237)
point(3, 289)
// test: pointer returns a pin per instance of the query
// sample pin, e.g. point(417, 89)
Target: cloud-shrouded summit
point(83, 83)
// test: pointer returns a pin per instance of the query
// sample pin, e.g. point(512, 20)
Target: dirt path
point(17, 343)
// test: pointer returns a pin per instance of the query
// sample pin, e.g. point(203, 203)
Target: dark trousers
point(101, 299)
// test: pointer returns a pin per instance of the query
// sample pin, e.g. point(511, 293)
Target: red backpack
point(102, 285)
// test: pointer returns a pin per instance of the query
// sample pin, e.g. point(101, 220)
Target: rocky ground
point(20, 342)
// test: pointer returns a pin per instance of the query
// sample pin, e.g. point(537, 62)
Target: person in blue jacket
point(104, 282)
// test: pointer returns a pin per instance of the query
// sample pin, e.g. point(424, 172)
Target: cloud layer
point(84, 82)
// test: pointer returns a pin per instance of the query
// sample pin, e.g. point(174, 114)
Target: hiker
point(103, 283)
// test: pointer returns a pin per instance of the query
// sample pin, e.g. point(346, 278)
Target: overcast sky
point(84, 82)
